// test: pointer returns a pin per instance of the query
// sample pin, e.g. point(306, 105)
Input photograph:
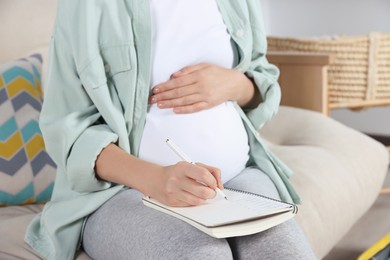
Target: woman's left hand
point(202, 86)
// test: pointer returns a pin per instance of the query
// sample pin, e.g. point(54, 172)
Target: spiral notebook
point(244, 213)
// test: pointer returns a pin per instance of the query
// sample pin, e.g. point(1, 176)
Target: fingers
point(185, 184)
point(191, 186)
point(177, 92)
point(202, 175)
point(174, 83)
point(197, 177)
point(215, 172)
point(198, 189)
point(180, 101)
point(185, 199)
point(194, 88)
point(174, 93)
point(182, 83)
point(184, 99)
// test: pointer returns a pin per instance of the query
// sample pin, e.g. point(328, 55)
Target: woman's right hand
point(186, 184)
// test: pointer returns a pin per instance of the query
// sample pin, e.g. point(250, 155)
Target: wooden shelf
point(303, 79)
point(304, 82)
point(385, 191)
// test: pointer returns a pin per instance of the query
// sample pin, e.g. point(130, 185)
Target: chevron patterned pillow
point(27, 172)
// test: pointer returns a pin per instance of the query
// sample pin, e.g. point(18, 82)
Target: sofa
point(338, 170)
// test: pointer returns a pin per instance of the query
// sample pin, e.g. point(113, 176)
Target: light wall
point(306, 18)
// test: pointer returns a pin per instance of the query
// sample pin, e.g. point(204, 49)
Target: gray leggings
point(123, 228)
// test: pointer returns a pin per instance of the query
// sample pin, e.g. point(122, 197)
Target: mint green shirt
point(96, 93)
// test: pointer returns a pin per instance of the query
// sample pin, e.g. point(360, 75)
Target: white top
point(186, 33)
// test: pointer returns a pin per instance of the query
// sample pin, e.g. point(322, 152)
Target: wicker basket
point(360, 74)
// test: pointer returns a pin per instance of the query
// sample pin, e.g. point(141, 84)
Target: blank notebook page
point(240, 206)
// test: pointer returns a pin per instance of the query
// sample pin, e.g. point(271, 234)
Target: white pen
point(184, 157)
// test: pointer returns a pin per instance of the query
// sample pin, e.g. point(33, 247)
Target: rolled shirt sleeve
point(264, 74)
point(81, 162)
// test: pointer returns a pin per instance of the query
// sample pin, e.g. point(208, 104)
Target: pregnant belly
point(216, 137)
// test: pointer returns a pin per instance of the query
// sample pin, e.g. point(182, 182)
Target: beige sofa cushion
point(338, 171)
point(13, 224)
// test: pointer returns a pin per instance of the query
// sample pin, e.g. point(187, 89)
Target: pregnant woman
point(125, 75)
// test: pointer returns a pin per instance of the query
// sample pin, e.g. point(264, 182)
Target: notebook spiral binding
point(295, 207)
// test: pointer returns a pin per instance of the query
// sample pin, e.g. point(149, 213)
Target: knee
point(291, 240)
point(219, 249)
point(194, 246)
point(285, 241)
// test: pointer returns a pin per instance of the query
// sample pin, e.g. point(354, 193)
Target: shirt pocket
point(116, 59)
point(111, 61)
